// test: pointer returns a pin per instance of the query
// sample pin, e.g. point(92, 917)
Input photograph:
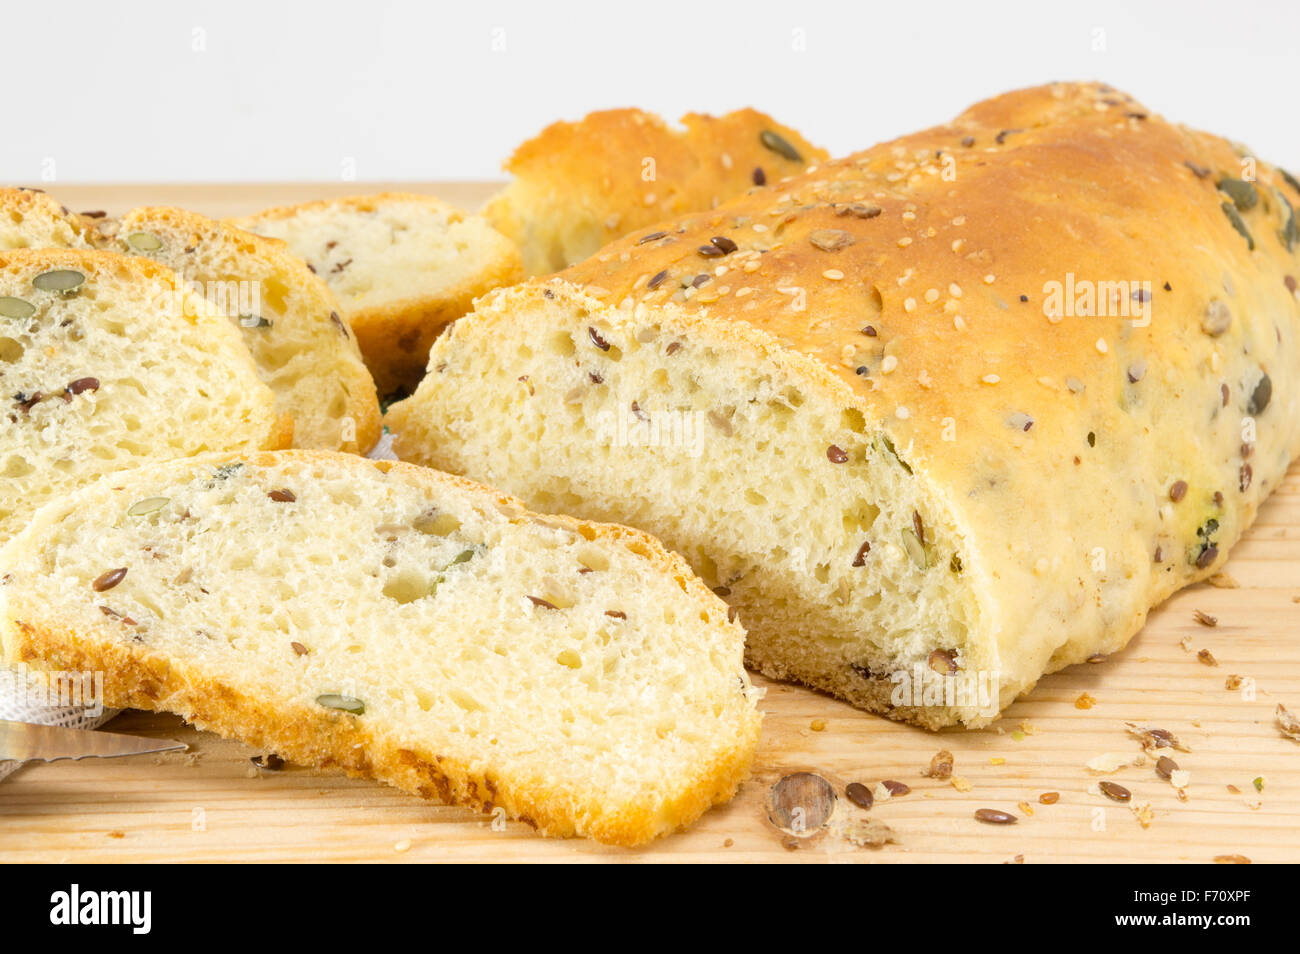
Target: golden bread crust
point(579, 185)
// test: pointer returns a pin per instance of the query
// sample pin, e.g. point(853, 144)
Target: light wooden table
point(213, 805)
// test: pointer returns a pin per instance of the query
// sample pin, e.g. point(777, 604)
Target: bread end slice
point(403, 266)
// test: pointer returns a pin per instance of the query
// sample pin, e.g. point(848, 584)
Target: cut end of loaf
point(847, 567)
point(441, 638)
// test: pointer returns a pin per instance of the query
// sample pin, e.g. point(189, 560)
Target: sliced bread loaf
point(579, 185)
point(108, 361)
point(288, 318)
point(440, 638)
point(939, 417)
point(402, 265)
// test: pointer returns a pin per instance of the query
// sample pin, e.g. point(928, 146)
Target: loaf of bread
point(403, 266)
point(30, 218)
point(439, 638)
point(577, 186)
point(936, 418)
point(288, 318)
point(107, 362)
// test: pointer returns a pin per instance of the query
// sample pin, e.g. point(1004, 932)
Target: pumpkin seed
point(1260, 397)
point(888, 445)
point(1216, 319)
point(779, 145)
point(16, 308)
point(147, 506)
point(333, 700)
point(915, 549)
point(253, 321)
point(1244, 195)
point(1234, 217)
point(59, 280)
point(1291, 180)
point(1289, 234)
point(144, 242)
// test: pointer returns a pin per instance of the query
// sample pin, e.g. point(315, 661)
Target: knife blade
point(27, 742)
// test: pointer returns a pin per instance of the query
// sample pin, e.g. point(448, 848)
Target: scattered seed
point(1178, 491)
point(147, 506)
point(59, 280)
point(271, 762)
point(1260, 397)
point(16, 308)
point(545, 604)
point(1207, 657)
point(1217, 318)
point(298, 648)
point(1166, 767)
point(896, 789)
point(723, 244)
point(597, 340)
point(710, 251)
point(940, 765)
point(144, 242)
point(333, 700)
point(283, 496)
point(83, 384)
point(657, 280)
point(616, 614)
point(836, 455)
point(779, 145)
point(108, 579)
point(1114, 791)
point(818, 725)
point(831, 240)
point(1049, 798)
point(1205, 619)
point(941, 661)
point(859, 795)
point(861, 558)
point(1234, 217)
point(1231, 860)
point(651, 237)
point(1243, 194)
point(993, 816)
point(759, 176)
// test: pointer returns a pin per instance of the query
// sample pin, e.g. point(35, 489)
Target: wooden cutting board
point(213, 804)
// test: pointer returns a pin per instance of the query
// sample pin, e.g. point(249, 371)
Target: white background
point(242, 90)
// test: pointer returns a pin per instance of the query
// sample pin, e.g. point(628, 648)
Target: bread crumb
point(1144, 814)
point(961, 784)
point(1111, 762)
point(818, 725)
point(1084, 701)
point(1207, 657)
point(869, 833)
point(1224, 581)
point(1205, 619)
point(402, 846)
point(1288, 723)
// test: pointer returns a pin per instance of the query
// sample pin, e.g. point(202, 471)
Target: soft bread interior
point(106, 364)
point(847, 569)
point(289, 322)
point(578, 673)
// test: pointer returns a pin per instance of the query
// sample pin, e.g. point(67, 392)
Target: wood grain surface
point(1243, 797)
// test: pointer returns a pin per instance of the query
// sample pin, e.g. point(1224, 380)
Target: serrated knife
point(26, 742)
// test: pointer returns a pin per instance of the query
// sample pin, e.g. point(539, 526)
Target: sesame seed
point(959, 221)
point(957, 244)
point(954, 290)
point(834, 274)
point(932, 294)
point(909, 304)
point(1101, 345)
point(908, 216)
point(889, 364)
point(990, 379)
point(959, 322)
point(989, 279)
point(650, 198)
point(903, 413)
point(904, 242)
point(742, 292)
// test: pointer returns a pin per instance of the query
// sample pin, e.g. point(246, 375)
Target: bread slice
point(107, 362)
point(870, 404)
point(301, 345)
point(578, 186)
point(288, 319)
point(440, 638)
point(402, 265)
point(30, 218)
